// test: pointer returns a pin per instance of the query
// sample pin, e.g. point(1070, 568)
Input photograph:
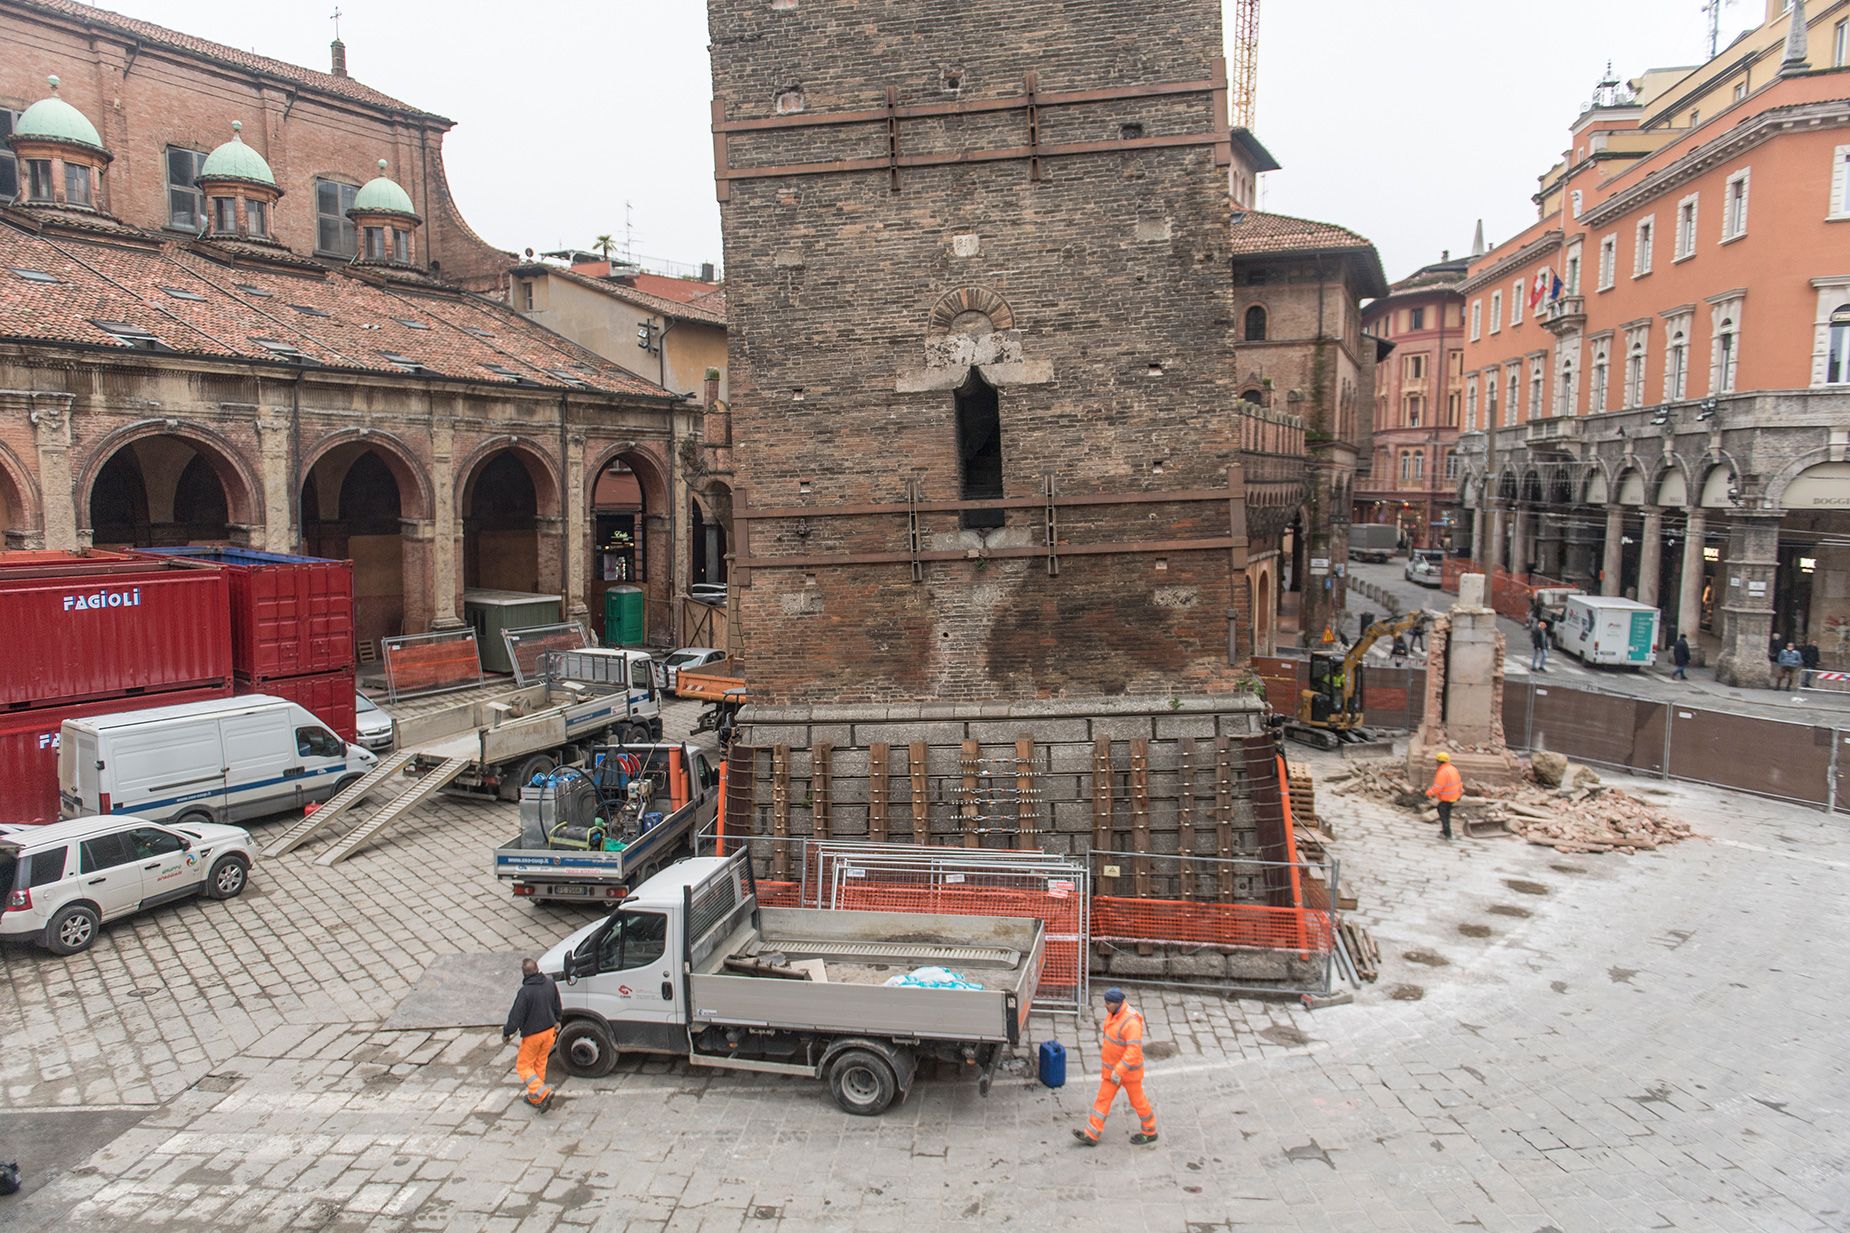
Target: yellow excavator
point(1330, 710)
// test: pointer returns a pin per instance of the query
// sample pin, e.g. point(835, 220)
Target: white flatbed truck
point(692, 966)
point(628, 850)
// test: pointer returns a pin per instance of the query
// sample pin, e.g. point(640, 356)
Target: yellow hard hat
point(1442, 756)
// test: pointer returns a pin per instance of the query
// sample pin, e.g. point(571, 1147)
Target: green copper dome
point(383, 196)
point(53, 119)
point(236, 161)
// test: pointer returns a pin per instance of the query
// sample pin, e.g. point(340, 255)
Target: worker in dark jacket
point(535, 1015)
point(1679, 655)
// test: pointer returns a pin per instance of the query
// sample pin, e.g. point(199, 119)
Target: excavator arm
point(1368, 637)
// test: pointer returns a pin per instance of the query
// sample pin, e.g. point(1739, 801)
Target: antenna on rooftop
point(1713, 8)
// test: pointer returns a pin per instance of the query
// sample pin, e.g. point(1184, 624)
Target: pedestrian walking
point(1417, 639)
point(1679, 655)
point(1121, 1061)
point(1448, 786)
point(535, 1016)
point(1790, 661)
point(1538, 642)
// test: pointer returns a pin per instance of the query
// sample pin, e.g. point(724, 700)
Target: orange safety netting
point(1062, 912)
point(1117, 919)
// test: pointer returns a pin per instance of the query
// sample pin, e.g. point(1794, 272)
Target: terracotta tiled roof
point(148, 32)
point(659, 305)
point(686, 290)
point(195, 305)
point(1257, 233)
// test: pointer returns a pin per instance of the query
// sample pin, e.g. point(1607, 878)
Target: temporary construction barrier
point(87, 627)
point(431, 663)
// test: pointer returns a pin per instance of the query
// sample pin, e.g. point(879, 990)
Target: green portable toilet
point(623, 616)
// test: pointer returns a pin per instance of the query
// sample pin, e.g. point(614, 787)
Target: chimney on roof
point(1445, 254)
point(338, 51)
point(1796, 60)
point(706, 271)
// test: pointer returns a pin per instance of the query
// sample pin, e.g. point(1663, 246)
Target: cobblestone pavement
point(1569, 1043)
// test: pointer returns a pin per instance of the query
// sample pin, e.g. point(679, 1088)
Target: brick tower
point(986, 423)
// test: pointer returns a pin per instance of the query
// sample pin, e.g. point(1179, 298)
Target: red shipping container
point(29, 749)
point(328, 696)
point(78, 628)
point(290, 616)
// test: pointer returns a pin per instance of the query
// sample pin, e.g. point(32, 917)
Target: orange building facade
point(1656, 378)
point(1409, 478)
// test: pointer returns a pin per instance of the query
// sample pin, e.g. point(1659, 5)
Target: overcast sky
point(1404, 120)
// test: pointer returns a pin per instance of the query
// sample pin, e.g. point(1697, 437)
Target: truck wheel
point(195, 817)
point(538, 764)
point(862, 1082)
point(72, 930)
point(587, 1048)
point(633, 734)
point(229, 876)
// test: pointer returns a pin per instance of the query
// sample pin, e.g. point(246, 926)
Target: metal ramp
point(431, 783)
point(314, 823)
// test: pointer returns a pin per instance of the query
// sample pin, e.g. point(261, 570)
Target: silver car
point(373, 728)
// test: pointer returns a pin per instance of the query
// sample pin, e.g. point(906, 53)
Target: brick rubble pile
point(1583, 815)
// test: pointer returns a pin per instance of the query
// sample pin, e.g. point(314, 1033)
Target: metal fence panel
point(1603, 729)
point(1516, 714)
point(1764, 756)
point(1840, 800)
point(1394, 697)
point(1284, 678)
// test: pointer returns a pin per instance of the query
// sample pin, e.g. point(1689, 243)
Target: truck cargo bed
point(859, 952)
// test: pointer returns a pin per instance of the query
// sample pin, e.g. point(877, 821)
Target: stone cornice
point(1745, 136)
point(1546, 242)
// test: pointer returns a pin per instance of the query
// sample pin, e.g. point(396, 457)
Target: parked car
point(712, 593)
point(63, 881)
point(1426, 566)
point(687, 657)
point(373, 728)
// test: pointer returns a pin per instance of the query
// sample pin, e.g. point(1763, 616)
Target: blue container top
point(219, 554)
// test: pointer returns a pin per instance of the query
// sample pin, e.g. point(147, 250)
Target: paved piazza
point(1569, 1043)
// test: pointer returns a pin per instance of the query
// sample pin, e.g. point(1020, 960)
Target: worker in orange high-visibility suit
point(535, 1016)
point(1448, 786)
point(1121, 1057)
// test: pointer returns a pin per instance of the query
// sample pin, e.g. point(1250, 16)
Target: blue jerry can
point(1053, 1063)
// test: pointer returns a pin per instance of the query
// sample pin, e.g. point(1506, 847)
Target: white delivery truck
point(1603, 629)
point(219, 761)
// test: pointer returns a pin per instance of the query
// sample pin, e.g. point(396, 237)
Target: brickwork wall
point(144, 99)
point(1115, 366)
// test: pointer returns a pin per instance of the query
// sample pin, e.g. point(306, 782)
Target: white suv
point(64, 880)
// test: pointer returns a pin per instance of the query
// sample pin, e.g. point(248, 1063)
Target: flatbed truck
point(691, 965)
point(622, 846)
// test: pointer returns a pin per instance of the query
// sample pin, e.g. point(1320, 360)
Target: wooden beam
point(969, 811)
point(915, 767)
point(1223, 813)
point(917, 111)
point(820, 788)
point(1135, 548)
point(1140, 817)
point(1185, 819)
point(1027, 809)
point(780, 813)
point(877, 791)
point(1181, 496)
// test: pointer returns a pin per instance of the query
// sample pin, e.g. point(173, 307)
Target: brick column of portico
point(1613, 565)
point(1689, 602)
point(1747, 603)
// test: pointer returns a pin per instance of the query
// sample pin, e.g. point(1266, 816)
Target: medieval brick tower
point(987, 432)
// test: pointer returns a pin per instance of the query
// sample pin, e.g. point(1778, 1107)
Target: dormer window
point(225, 215)
point(375, 243)
point(257, 219)
point(400, 247)
point(38, 180)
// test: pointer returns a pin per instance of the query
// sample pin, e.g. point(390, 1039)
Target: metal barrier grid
point(1307, 934)
point(1056, 894)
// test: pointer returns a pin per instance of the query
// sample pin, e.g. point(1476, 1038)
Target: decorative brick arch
point(547, 488)
point(243, 489)
point(416, 499)
point(1781, 480)
point(652, 475)
point(21, 492)
point(1596, 470)
point(1666, 465)
point(954, 305)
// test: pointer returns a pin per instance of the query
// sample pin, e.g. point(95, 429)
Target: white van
point(219, 761)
